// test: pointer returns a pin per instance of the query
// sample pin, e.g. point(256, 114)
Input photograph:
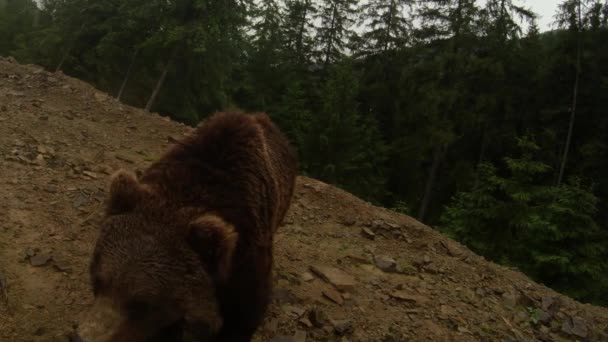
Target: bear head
point(155, 268)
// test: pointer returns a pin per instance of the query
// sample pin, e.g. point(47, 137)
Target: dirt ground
point(345, 270)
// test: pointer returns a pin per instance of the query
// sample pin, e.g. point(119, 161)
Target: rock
point(385, 263)
point(318, 335)
point(125, 159)
point(40, 160)
point(368, 233)
point(305, 321)
point(392, 225)
point(333, 295)
point(80, 200)
point(306, 277)
point(404, 296)
point(349, 221)
point(51, 189)
point(62, 265)
point(294, 311)
point(344, 327)
point(549, 307)
point(404, 267)
point(451, 249)
point(544, 317)
point(29, 252)
point(510, 299)
point(300, 336)
point(317, 317)
point(272, 325)
point(334, 276)
point(464, 330)
point(282, 296)
point(575, 326)
point(90, 174)
point(40, 260)
point(283, 338)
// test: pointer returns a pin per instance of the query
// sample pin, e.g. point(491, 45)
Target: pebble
point(306, 277)
point(40, 260)
point(317, 317)
point(368, 233)
point(333, 295)
point(404, 296)
point(344, 327)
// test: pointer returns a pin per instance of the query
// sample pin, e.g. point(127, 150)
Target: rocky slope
point(345, 271)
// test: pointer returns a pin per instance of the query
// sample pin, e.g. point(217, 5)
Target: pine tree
point(545, 230)
point(298, 29)
point(387, 25)
point(337, 18)
point(343, 146)
point(16, 17)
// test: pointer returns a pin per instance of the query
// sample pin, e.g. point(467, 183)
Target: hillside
point(345, 270)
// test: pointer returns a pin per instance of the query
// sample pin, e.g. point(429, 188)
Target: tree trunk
point(430, 183)
point(574, 98)
point(127, 76)
point(160, 82)
point(300, 39)
point(63, 58)
point(331, 35)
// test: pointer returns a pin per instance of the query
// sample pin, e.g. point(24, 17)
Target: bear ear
point(125, 193)
point(214, 241)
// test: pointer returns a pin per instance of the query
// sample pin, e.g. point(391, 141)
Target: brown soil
point(61, 138)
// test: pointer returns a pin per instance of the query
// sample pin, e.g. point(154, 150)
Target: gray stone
point(385, 263)
point(344, 327)
point(40, 260)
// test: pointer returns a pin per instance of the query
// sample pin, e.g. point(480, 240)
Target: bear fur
point(189, 243)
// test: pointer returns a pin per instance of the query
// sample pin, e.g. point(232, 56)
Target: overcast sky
point(545, 9)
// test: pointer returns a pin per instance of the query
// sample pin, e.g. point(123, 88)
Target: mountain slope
point(345, 270)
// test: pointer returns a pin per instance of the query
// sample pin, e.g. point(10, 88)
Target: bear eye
point(137, 309)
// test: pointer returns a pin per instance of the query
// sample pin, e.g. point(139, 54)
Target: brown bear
point(189, 245)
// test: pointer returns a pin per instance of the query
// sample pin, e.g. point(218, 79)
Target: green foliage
point(344, 147)
point(547, 231)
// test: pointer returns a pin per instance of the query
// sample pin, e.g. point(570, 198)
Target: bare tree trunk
point(63, 58)
point(430, 183)
point(161, 81)
point(560, 178)
point(127, 76)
